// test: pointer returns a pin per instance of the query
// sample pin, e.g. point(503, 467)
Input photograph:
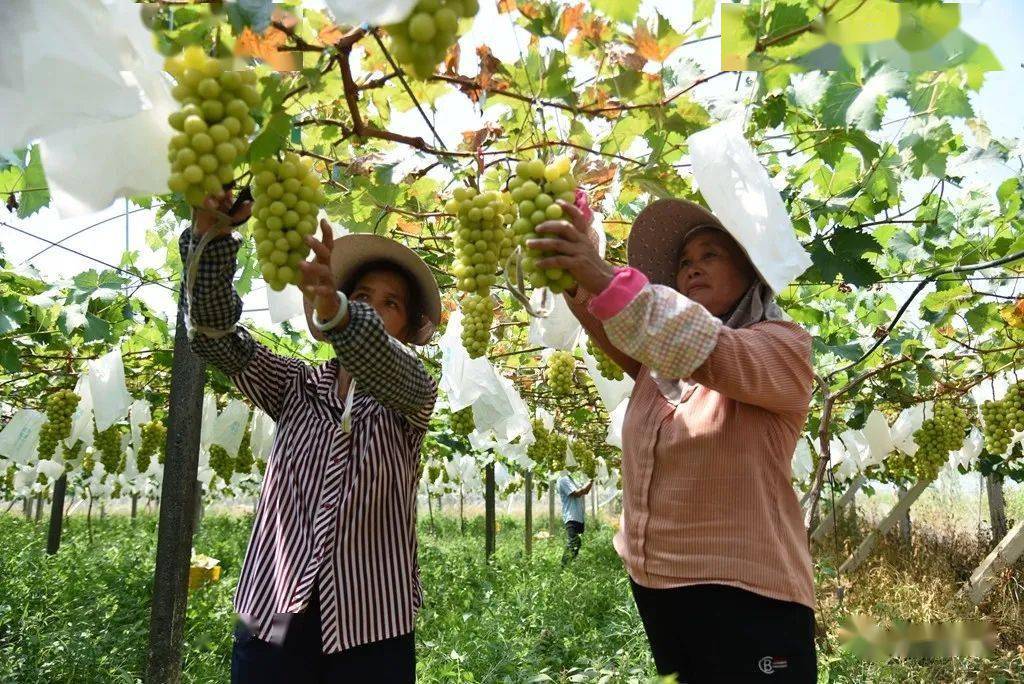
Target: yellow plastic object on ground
point(204, 570)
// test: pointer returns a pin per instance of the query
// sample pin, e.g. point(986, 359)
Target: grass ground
point(82, 615)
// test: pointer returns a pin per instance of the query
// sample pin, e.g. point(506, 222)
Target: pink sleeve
point(623, 289)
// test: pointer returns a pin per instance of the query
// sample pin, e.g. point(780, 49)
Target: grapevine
point(561, 367)
point(287, 198)
point(535, 187)
point(213, 123)
point(422, 40)
point(608, 368)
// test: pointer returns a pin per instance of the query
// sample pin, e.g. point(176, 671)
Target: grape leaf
point(620, 10)
point(272, 136)
point(35, 181)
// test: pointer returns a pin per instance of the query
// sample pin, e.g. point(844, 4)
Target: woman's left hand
point(571, 249)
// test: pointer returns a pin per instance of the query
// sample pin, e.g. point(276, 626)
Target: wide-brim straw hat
point(659, 232)
point(352, 251)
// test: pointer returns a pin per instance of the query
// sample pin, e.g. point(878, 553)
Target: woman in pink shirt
point(712, 534)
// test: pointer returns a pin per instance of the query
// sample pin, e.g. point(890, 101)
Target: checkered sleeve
point(258, 373)
point(384, 367)
point(664, 331)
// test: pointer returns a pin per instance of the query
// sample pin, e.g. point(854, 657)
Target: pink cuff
point(622, 290)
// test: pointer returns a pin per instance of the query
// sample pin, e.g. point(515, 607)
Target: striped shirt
point(707, 497)
point(337, 508)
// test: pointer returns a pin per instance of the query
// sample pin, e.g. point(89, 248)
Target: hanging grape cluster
point(585, 458)
point(477, 316)
point(481, 237)
point(534, 188)
point(60, 409)
point(154, 436)
point(244, 461)
point(221, 462)
point(1002, 418)
point(548, 448)
point(213, 123)
point(937, 436)
point(559, 375)
point(73, 452)
point(287, 198)
point(108, 443)
point(462, 421)
point(422, 40)
point(605, 366)
point(89, 462)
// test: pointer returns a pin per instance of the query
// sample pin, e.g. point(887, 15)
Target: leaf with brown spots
point(572, 18)
point(506, 6)
point(530, 10)
point(489, 65)
point(598, 174)
point(451, 60)
point(656, 48)
point(329, 35)
point(471, 140)
point(407, 225)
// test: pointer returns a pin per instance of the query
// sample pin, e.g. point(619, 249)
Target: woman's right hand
point(209, 217)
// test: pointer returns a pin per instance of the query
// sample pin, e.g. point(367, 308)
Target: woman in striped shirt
point(712, 534)
point(330, 587)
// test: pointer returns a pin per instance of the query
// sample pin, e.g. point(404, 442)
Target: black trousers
point(300, 658)
point(714, 633)
point(573, 540)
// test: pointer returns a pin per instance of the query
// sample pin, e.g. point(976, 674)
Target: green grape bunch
point(287, 198)
point(108, 443)
point(244, 461)
point(421, 42)
point(560, 371)
point(1002, 418)
point(482, 237)
point(60, 410)
point(462, 421)
point(937, 437)
point(605, 366)
point(548, 448)
point(534, 188)
point(477, 316)
point(221, 462)
point(88, 463)
point(154, 437)
point(585, 458)
point(213, 124)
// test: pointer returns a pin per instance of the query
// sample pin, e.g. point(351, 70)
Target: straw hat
point(658, 233)
point(352, 251)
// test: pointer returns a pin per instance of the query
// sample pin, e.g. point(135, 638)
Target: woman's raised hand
point(215, 215)
point(318, 284)
point(573, 247)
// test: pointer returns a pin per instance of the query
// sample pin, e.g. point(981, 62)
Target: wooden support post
point(827, 523)
point(60, 488)
point(177, 512)
point(1002, 556)
point(26, 507)
point(135, 505)
point(39, 506)
point(528, 523)
point(489, 510)
point(462, 509)
point(996, 505)
point(869, 543)
point(904, 521)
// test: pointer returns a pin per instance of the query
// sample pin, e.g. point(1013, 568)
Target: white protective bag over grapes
point(229, 428)
point(110, 398)
point(20, 437)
